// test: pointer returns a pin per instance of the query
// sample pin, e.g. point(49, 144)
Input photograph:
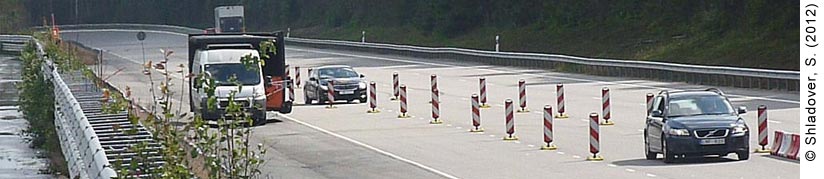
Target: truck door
point(276, 69)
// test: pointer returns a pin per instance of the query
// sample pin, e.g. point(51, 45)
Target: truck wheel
point(286, 108)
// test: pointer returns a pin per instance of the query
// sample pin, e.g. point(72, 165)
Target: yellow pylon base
point(510, 138)
point(595, 158)
point(393, 99)
point(373, 111)
point(607, 123)
point(404, 115)
point(763, 150)
point(549, 147)
point(485, 106)
point(561, 116)
point(523, 110)
point(436, 121)
point(331, 107)
point(476, 130)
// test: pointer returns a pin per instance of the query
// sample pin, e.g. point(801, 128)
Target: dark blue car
point(695, 123)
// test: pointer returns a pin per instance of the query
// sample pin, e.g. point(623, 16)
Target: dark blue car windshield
point(699, 105)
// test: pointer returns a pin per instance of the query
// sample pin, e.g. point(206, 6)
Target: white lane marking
point(612, 165)
point(465, 99)
point(651, 175)
point(422, 166)
point(530, 145)
point(517, 142)
point(450, 125)
point(777, 122)
point(560, 153)
point(629, 170)
point(544, 75)
point(575, 156)
point(536, 112)
point(458, 127)
point(596, 97)
point(491, 135)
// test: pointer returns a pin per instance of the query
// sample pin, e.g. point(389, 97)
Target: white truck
point(229, 19)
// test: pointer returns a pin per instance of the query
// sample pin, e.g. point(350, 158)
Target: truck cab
point(229, 19)
point(218, 57)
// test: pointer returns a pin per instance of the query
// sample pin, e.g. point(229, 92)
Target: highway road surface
point(346, 142)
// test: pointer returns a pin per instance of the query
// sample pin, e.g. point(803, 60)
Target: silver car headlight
point(676, 132)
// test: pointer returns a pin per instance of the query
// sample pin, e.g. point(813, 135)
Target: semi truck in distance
point(217, 56)
point(229, 19)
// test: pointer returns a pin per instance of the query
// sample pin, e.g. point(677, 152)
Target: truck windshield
point(223, 72)
point(231, 24)
point(337, 73)
point(699, 105)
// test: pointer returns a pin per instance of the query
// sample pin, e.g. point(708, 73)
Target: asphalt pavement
point(346, 142)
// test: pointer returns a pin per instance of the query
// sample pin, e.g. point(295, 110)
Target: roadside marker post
point(559, 92)
point(330, 94)
point(649, 98)
point(762, 130)
point(605, 107)
point(476, 115)
point(522, 96)
point(403, 103)
point(433, 80)
point(548, 134)
point(436, 109)
point(510, 121)
point(373, 98)
point(594, 138)
point(483, 93)
point(297, 76)
point(395, 86)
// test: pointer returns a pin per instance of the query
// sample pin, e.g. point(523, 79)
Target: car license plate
point(712, 141)
point(347, 92)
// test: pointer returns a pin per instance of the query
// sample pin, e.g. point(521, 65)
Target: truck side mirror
point(268, 81)
point(657, 113)
point(742, 110)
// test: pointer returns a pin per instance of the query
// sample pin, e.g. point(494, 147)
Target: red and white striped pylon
point(297, 76)
point(291, 92)
point(594, 138)
point(287, 71)
point(559, 92)
point(433, 81)
point(436, 108)
point(330, 94)
point(395, 86)
point(510, 121)
point(373, 98)
point(548, 137)
point(649, 98)
point(483, 93)
point(403, 102)
point(762, 130)
point(476, 115)
point(605, 107)
point(522, 96)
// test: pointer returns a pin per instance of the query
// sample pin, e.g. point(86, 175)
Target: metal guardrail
point(91, 139)
point(13, 44)
point(696, 74)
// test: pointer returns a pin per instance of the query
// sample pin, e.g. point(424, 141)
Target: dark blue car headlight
point(739, 130)
point(676, 131)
